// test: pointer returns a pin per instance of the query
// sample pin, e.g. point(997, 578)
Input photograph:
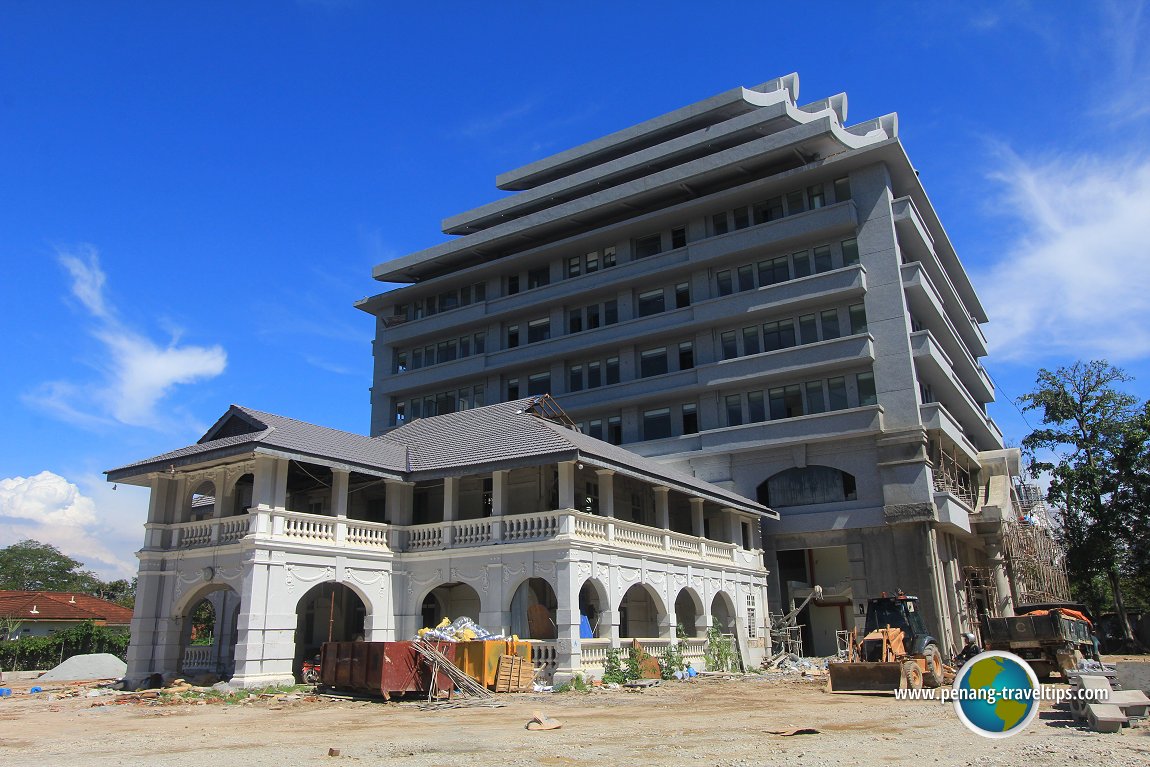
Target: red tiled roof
point(61, 606)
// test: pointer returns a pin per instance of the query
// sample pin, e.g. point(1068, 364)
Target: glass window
point(842, 189)
point(808, 329)
point(429, 355)
point(719, 223)
point(595, 428)
point(512, 336)
point(465, 295)
point(802, 262)
point(651, 302)
point(778, 335)
point(479, 291)
point(751, 340)
point(830, 321)
point(795, 202)
point(653, 362)
point(416, 408)
point(538, 330)
point(592, 316)
point(742, 218)
point(448, 301)
point(723, 279)
point(756, 409)
point(537, 278)
point(575, 378)
point(815, 198)
point(682, 295)
point(416, 359)
point(465, 346)
point(512, 388)
point(823, 259)
point(592, 262)
point(615, 430)
point(690, 419)
point(734, 408)
point(539, 383)
point(575, 321)
point(594, 375)
point(816, 402)
point(837, 393)
point(786, 402)
point(746, 278)
point(399, 361)
point(775, 270)
point(648, 246)
point(867, 394)
point(612, 370)
point(678, 237)
point(858, 319)
point(480, 340)
point(686, 355)
point(513, 284)
point(770, 210)
point(608, 257)
point(574, 266)
point(729, 345)
point(478, 396)
point(399, 413)
point(610, 312)
point(657, 423)
point(850, 252)
point(449, 351)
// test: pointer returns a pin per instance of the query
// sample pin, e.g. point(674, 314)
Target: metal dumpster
point(379, 669)
point(480, 659)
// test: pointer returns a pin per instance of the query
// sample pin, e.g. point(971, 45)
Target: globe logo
point(996, 694)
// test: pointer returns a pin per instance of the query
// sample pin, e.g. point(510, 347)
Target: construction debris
point(543, 722)
point(83, 667)
point(441, 664)
point(1103, 708)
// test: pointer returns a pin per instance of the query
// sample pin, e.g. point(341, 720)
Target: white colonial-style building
point(295, 534)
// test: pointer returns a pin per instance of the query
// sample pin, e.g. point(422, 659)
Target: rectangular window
point(795, 202)
point(615, 430)
point(592, 262)
point(465, 296)
point(850, 252)
point(449, 350)
point(448, 301)
point(416, 359)
point(610, 312)
point(465, 346)
point(480, 340)
point(815, 198)
point(653, 362)
point(430, 304)
point(478, 396)
point(399, 413)
point(651, 302)
point(742, 218)
point(808, 329)
point(538, 330)
point(786, 402)
point(734, 408)
point(657, 423)
point(842, 189)
point(537, 278)
point(867, 394)
point(429, 355)
point(858, 319)
point(574, 266)
point(612, 370)
point(775, 270)
point(778, 335)
point(719, 223)
point(575, 321)
point(539, 383)
point(479, 291)
point(512, 388)
point(830, 321)
point(837, 393)
point(679, 238)
point(512, 336)
point(595, 428)
point(513, 284)
point(802, 262)
point(575, 378)
point(686, 355)
point(682, 295)
point(723, 281)
point(751, 340)
point(823, 259)
point(746, 278)
point(756, 409)
point(648, 246)
point(816, 402)
point(771, 210)
point(594, 375)
point(608, 257)
point(399, 361)
point(690, 419)
point(592, 316)
point(729, 345)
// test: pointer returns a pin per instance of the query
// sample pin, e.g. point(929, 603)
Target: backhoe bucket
point(866, 677)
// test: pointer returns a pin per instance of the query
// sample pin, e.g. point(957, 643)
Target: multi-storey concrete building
point(756, 293)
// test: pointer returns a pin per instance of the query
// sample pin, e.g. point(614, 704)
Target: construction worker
point(969, 650)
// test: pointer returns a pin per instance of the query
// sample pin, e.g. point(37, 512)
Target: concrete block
point(1134, 675)
point(1105, 717)
point(1134, 703)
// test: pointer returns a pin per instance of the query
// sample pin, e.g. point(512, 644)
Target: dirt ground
point(712, 721)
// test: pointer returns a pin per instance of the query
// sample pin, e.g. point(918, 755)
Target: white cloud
point(48, 508)
point(137, 372)
point(1073, 283)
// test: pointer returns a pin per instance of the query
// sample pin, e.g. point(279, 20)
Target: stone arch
point(534, 608)
point(641, 612)
point(328, 611)
point(447, 600)
point(206, 618)
point(201, 501)
point(689, 611)
point(807, 485)
point(723, 612)
point(242, 492)
point(593, 602)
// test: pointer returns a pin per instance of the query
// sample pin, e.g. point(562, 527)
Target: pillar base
point(248, 682)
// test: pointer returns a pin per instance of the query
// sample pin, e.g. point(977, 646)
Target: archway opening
point(533, 610)
point(807, 485)
point(328, 612)
point(592, 603)
point(687, 613)
point(451, 600)
point(242, 494)
point(639, 613)
point(723, 613)
point(208, 633)
point(202, 504)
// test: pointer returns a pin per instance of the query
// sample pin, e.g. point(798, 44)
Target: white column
point(450, 509)
point(339, 482)
point(265, 649)
point(606, 492)
point(499, 499)
point(566, 484)
point(569, 659)
point(662, 508)
point(697, 517)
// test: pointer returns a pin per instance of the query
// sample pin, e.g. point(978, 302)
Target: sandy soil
point(705, 722)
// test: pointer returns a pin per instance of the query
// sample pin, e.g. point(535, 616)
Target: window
point(867, 394)
point(807, 485)
point(822, 256)
point(537, 278)
point(512, 388)
point(690, 419)
point(480, 343)
point(751, 340)
point(742, 218)
point(842, 189)
point(479, 291)
point(816, 402)
point(575, 321)
point(608, 257)
point(830, 321)
point(815, 198)
point(575, 378)
point(610, 312)
point(612, 366)
point(653, 362)
point(679, 237)
point(513, 284)
point(723, 280)
point(651, 302)
point(850, 252)
point(595, 428)
point(729, 345)
point(802, 261)
point(808, 329)
point(770, 210)
point(592, 262)
point(837, 391)
point(592, 316)
point(512, 336)
point(795, 202)
point(539, 383)
point(682, 295)
point(719, 223)
point(416, 359)
point(774, 271)
point(686, 355)
point(465, 346)
point(594, 375)
point(538, 330)
point(858, 319)
point(657, 423)
point(448, 301)
point(734, 408)
point(778, 335)
point(615, 430)
point(399, 361)
point(786, 402)
point(756, 411)
point(648, 246)
point(746, 278)
point(574, 266)
point(399, 413)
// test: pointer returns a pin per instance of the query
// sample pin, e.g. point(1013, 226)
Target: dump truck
point(895, 652)
point(1050, 637)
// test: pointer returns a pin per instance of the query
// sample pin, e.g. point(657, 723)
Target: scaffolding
point(950, 474)
point(1037, 562)
point(980, 591)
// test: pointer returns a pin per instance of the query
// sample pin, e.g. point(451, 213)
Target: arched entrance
point(328, 612)
point(208, 633)
point(533, 610)
point(723, 613)
point(451, 600)
point(202, 504)
point(592, 603)
point(640, 613)
point(688, 608)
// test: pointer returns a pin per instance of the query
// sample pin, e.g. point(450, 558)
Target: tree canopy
point(33, 566)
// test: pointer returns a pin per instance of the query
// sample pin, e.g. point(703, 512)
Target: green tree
point(1087, 424)
point(1132, 501)
point(33, 566)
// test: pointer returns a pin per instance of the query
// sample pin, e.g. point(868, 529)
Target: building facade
point(293, 534)
point(753, 292)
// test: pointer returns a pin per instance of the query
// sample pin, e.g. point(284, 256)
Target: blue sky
point(193, 194)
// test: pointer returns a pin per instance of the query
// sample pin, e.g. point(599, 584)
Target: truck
point(1050, 637)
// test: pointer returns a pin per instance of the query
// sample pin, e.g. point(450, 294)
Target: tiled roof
point(61, 606)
